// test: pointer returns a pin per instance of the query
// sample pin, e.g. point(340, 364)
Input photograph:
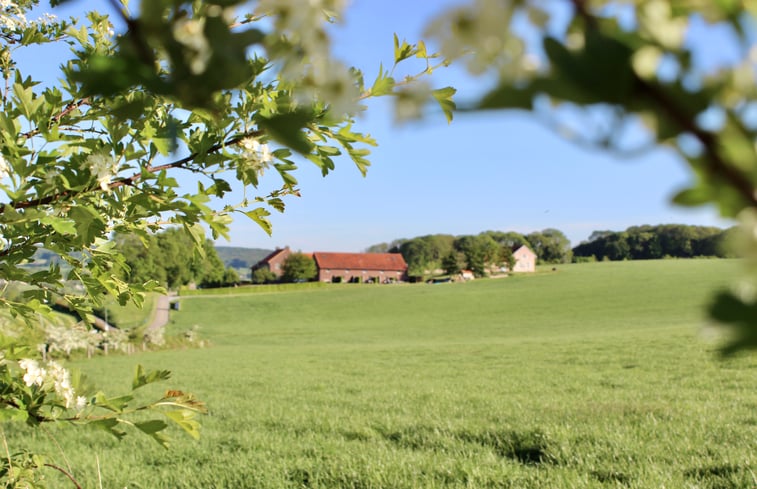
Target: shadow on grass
point(722, 477)
point(526, 447)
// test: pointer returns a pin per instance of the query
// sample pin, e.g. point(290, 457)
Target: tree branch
point(56, 119)
point(49, 199)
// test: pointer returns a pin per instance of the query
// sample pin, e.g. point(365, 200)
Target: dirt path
point(162, 311)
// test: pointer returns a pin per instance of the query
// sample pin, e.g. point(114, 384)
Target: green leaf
point(287, 129)
point(153, 429)
point(383, 85)
point(402, 51)
point(89, 223)
point(60, 225)
point(142, 378)
point(695, 196)
point(444, 97)
point(507, 97)
point(108, 425)
point(115, 404)
point(260, 215)
point(185, 420)
point(740, 317)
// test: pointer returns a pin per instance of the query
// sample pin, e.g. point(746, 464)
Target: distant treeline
point(653, 242)
point(489, 250)
point(482, 253)
point(170, 258)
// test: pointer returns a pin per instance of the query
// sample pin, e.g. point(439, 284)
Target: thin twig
point(63, 471)
point(57, 445)
point(7, 453)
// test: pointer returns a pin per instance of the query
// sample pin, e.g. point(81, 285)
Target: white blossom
point(190, 33)
point(103, 167)
point(56, 378)
point(34, 375)
point(11, 15)
point(4, 168)
point(81, 403)
point(256, 154)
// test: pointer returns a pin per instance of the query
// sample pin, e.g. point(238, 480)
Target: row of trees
point(652, 242)
point(480, 253)
point(493, 249)
point(169, 257)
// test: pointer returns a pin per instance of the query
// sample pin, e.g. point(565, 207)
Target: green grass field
point(591, 376)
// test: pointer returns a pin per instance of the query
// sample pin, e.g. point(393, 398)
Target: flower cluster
point(310, 64)
point(487, 33)
point(256, 154)
point(103, 167)
point(4, 168)
point(11, 15)
point(190, 33)
point(55, 378)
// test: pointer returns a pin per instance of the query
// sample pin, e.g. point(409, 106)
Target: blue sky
point(501, 171)
point(494, 171)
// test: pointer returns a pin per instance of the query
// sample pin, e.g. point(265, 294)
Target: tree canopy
point(651, 242)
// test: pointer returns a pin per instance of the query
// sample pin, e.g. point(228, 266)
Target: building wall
point(276, 264)
point(328, 275)
point(525, 260)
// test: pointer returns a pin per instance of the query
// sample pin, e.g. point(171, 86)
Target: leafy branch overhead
point(189, 90)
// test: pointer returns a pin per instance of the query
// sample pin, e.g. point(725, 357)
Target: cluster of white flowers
point(488, 33)
point(411, 100)
point(256, 154)
point(115, 339)
point(191, 34)
point(103, 167)
point(53, 377)
point(11, 15)
point(155, 336)
point(4, 168)
point(65, 339)
point(320, 77)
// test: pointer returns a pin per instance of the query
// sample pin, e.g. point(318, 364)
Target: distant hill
point(236, 257)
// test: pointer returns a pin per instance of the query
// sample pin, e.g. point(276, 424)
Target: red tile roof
point(360, 261)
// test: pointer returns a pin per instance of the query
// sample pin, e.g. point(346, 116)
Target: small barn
point(360, 267)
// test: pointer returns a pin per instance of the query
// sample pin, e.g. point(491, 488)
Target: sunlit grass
point(589, 376)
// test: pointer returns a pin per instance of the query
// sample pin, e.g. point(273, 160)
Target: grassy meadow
point(590, 376)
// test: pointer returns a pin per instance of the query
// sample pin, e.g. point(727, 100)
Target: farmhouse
point(525, 259)
point(274, 262)
point(343, 267)
point(360, 267)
